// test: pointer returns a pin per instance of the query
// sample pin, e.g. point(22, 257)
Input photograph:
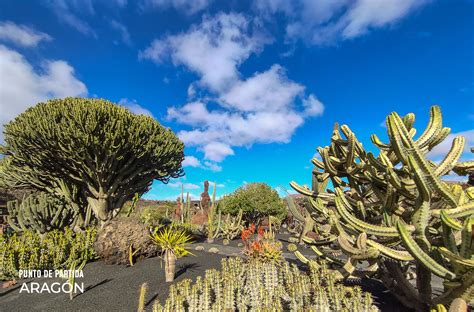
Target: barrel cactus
point(394, 213)
point(94, 154)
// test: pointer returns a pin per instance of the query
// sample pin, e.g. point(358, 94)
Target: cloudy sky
point(251, 87)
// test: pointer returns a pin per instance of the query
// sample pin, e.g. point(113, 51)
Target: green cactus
point(93, 153)
point(395, 206)
point(41, 213)
point(230, 226)
point(213, 227)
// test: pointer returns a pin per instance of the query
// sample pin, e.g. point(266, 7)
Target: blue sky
point(251, 87)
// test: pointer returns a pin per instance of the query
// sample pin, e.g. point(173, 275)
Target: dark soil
point(109, 287)
point(116, 287)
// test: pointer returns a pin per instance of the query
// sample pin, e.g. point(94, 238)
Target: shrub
point(54, 250)
point(93, 153)
point(154, 216)
point(115, 238)
point(257, 286)
point(256, 200)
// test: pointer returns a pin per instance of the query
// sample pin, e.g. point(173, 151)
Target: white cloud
point(191, 161)
point(312, 106)
point(21, 34)
point(134, 107)
point(26, 86)
point(443, 148)
point(217, 151)
point(267, 91)
point(186, 186)
point(68, 11)
point(323, 22)
point(266, 107)
point(123, 31)
point(187, 7)
point(213, 49)
point(213, 166)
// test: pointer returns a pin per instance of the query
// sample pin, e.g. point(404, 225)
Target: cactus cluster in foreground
point(258, 286)
point(392, 212)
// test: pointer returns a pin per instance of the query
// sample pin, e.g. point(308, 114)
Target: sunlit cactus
point(393, 211)
point(92, 153)
point(41, 213)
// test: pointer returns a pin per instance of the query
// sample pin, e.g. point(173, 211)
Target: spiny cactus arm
point(420, 255)
point(467, 248)
point(455, 258)
point(326, 257)
point(449, 239)
point(371, 229)
point(464, 168)
point(377, 142)
point(433, 128)
point(400, 255)
point(459, 212)
point(324, 241)
point(452, 223)
point(319, 164)
point(452, 157)
point(302, 190)
point(434, 181)
point(347, 247)
point(293, 209)
point(318, 205)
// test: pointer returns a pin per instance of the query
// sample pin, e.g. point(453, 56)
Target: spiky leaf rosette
point(92, 152)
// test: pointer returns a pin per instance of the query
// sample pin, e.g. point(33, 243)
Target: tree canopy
point(92, 152)
point(256, 200)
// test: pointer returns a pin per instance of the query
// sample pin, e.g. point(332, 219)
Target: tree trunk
point(170, 265)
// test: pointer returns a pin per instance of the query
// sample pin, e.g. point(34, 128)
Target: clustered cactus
point(41, 213)
point(258, 286)
point(231, 226)
point(393, 212)
point(53, 250)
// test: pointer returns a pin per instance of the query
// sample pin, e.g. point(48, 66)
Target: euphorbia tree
point(92, 152)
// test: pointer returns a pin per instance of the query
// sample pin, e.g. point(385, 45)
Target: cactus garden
point(237, 156)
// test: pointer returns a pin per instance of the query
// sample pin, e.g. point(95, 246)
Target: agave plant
point(174, 244)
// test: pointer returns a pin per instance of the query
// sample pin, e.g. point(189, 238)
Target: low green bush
point(156, 215)
point(256, 200)
point(53, 250)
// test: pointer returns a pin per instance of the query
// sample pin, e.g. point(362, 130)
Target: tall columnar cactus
point(91, 152)
point(41, 213)
point(212, 227)
point(395, 212)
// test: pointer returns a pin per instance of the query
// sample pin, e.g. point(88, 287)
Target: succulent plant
point(258, 286)
point(94, 154)
point(42, 213)
point(230, 226)
point(394, 212)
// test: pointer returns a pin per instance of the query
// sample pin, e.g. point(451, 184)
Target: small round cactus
point(292, 248)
